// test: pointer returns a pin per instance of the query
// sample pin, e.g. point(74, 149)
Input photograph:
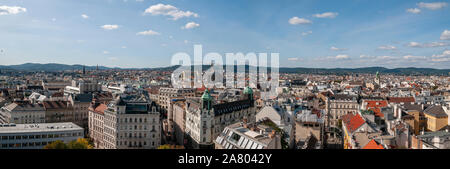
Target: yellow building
point(436, 118)
point(416, 120)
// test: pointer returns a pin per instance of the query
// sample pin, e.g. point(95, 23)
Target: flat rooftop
point(38, 127)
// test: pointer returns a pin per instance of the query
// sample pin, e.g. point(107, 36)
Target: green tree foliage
point(58, 144)
point(80, 143)
point(168, 146)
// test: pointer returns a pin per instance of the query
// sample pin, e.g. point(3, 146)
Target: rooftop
point(39, 127)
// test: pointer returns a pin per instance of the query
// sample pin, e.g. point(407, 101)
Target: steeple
point(248, 92)
point(206, 99)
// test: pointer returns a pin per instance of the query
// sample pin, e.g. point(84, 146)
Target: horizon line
point(115, 67)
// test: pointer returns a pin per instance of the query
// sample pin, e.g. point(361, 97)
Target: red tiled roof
point(58, 94)
point(373, 103)
point(401, 99)
point(55, 104)
point(377, 112)
point(100, 109)
point(373, 145)
point(352, 122)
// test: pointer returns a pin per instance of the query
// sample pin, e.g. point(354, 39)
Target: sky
point(305, 33)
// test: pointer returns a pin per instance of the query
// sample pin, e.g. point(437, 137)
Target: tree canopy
point(80, 143)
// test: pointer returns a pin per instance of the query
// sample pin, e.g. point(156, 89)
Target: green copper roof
point(248, 90)
point(206, 96)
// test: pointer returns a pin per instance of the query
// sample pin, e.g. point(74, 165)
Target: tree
point(168, 146)
point(58, 144)
point(80, 143)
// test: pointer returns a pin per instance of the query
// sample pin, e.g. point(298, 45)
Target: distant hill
point(53, 67)
point(50, 67)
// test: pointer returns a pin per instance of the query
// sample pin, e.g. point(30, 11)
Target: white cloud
point(342, 57)
point(293, 59)
point(190, 25)
point(186, 41)
point(149, 32)
point(375, 57)
point(11, 10)
point(169, 10)
point(326, 15)
point(427, 45)
point(413, 57)
point(432, 5)
point(413, 10)
point(337, 49)
point(365, 56)
point(445, 35)
point(446, 53)
point(110, 27)
point(384, 57)
point(296, 20)
point(84, 16)
point(387, 47)
point(53, 19)
point(306, 33)
point(105, 52)
point(123, 47)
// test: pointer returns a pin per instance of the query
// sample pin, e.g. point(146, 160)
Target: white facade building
point(36, 136)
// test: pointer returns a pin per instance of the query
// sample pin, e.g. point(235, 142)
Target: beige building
point(96, 123)
point(176, 116)
point(81, 104)
point(131, 122)
point(58, 111)
point(167, 94)
point(22, 113)
point(339, 105)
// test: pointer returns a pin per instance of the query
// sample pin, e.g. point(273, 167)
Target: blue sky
point(146, 33)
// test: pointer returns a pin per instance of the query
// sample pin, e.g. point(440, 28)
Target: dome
point(248, 90)
point(206, 96)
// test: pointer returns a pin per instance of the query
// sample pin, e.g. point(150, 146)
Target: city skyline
point(146, 33)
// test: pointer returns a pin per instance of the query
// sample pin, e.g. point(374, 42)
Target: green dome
point(206, 96)
point(248, 90)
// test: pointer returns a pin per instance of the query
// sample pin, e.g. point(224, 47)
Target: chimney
point(272, 135)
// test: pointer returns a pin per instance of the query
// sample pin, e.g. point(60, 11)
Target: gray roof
point(436, 111)
point(83, 98)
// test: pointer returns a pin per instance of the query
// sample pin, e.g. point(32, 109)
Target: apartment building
point(205, 119)
point(22, 113)
point(131, 122)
